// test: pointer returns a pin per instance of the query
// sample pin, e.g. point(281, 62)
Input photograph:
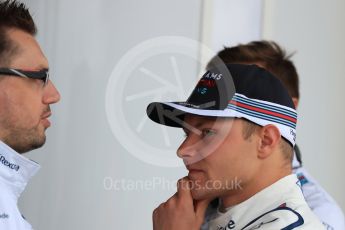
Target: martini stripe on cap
point(263, 116)
point(261, 110)
point(265, 106)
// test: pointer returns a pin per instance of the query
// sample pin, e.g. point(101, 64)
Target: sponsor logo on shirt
point(8, 164)
point(266, 218)
point(257, 226)
point(303, 180)
point(230, 225)
point(4, 216)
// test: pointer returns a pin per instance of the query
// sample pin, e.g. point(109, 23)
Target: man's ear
point(269, 138)
point(295, 101)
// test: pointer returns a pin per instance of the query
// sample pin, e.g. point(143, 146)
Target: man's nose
point(51, 94)
point(187, 149)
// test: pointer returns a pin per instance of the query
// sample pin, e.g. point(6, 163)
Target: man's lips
point(46, 115)
point(45, 120)
point(194, 171)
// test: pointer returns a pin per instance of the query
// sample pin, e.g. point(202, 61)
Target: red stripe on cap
point(263, 111)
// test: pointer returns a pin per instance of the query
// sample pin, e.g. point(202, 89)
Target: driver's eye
point(208, 132)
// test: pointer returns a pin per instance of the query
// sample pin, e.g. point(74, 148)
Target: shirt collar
point(15, 169)
point(250, 208)
point(271, 191)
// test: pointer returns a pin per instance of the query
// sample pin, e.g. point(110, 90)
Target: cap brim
point(165, 114)
point(172, 113)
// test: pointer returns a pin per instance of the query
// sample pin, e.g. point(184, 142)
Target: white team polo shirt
point(279, 206)
point(15, 172)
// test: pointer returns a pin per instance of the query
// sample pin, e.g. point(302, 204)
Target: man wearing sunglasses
point(26, 94)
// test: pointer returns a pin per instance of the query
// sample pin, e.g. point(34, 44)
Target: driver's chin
point(201, 194)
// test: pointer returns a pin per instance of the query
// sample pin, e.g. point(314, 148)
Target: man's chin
point(31, 144)
point(39, 143)
point(201, 194)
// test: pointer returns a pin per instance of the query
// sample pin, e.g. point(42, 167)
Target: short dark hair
point(267, 53)
point(13, 15)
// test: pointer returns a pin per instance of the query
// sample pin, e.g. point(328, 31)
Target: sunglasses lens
point(46, 79)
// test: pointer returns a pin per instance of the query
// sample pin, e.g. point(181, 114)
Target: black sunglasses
point(40, 74)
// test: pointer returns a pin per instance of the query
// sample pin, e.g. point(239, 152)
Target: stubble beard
point(24, 140)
